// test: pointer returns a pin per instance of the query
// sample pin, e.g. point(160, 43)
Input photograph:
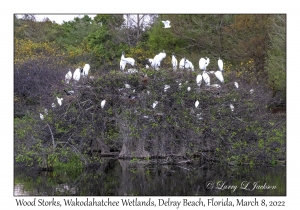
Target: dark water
point(120, 177)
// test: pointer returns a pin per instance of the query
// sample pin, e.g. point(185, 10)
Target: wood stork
point(41, 116)
point(219, 75)
point(68, 77)
point(124, 61)
point(53, 105)
point(207, 62)
point(59, 100)
point(188, 89)
point(166, 87)
point(166, 23)
point(196, 103)
point(86, 69)
point(46, 111)
point(199, 79)
point(76, 75)
point(174, 61)
point(154, 104)
point(103, 103)
point(251, 91)
point(202, 65)
point(220, 64)
point(206, 78)
point(236, 84)
point(70, 92)
point(231, 107)
point(157, 60)
point(186, 64)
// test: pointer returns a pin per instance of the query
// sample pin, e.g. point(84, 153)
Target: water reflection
point(121, 177)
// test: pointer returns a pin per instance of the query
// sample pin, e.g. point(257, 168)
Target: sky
point(58, 18)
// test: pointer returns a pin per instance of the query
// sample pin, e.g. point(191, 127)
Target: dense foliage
point(251, 46)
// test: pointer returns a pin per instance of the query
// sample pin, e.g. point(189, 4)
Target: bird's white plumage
point(166, 87)
point(174, 62)
point(236, 84)
point(41, 116)
point(202, 65)
point(251, 91)
point(53, 105)
point(196, 103)
point(231, 107)
point(124, 61)
point(103, 103)
point(207, 62)
point(59, 100)
point(68, 77)
point(186, 64)
point(166, 23)
point(154, 104)
point(127, 85)
point(76, 75)
point(86, 69)
point(199, 79)
point(220, 64)
point(46, 111)
point(219, 75)
point(188, 89)
point(157, 60)
point(206, 78)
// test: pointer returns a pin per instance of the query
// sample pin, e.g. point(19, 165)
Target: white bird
point(86, 69)
point(186, 64)
point(157, 60)
point(68, 76)
point(59, 100)
point(103, 103)
point(174, 61)
point(41, 116)
point(199, 79)
point(154, 104)
point(166, 23)
point(70, 92)
point(236, 84)
point(46, 111)
point(251, 91)
point(76, 75)
point(53, 105)
point(219, 75)
point(196, 103)
point(166, 87)
point(127, 85)
point(147, 67)
point(231, 107)
point(124, 61)
point(188, 89)
point(216, 85)
point(202, 65)
point(206, 78)
point(207, 62)
point(220, 64)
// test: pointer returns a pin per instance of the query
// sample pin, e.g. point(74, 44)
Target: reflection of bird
point(103, 103)
point(68, 76)
point(59, 100)
point(174, 61)
point(199, 79)
point(231, 107)
point(41, 116)
point(236, 84)
point(166, 23)
point(196, 103)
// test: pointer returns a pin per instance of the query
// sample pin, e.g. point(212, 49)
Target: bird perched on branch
point(124, 61)
point(166, 23)
point(186, 64)
point(59, 101)
point(103, 103)
point(174, 62)
point(157, 60)
point(68, 77)
point(70, 92)
point(77, 73)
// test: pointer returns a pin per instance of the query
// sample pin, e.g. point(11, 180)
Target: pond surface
point(115, 177)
